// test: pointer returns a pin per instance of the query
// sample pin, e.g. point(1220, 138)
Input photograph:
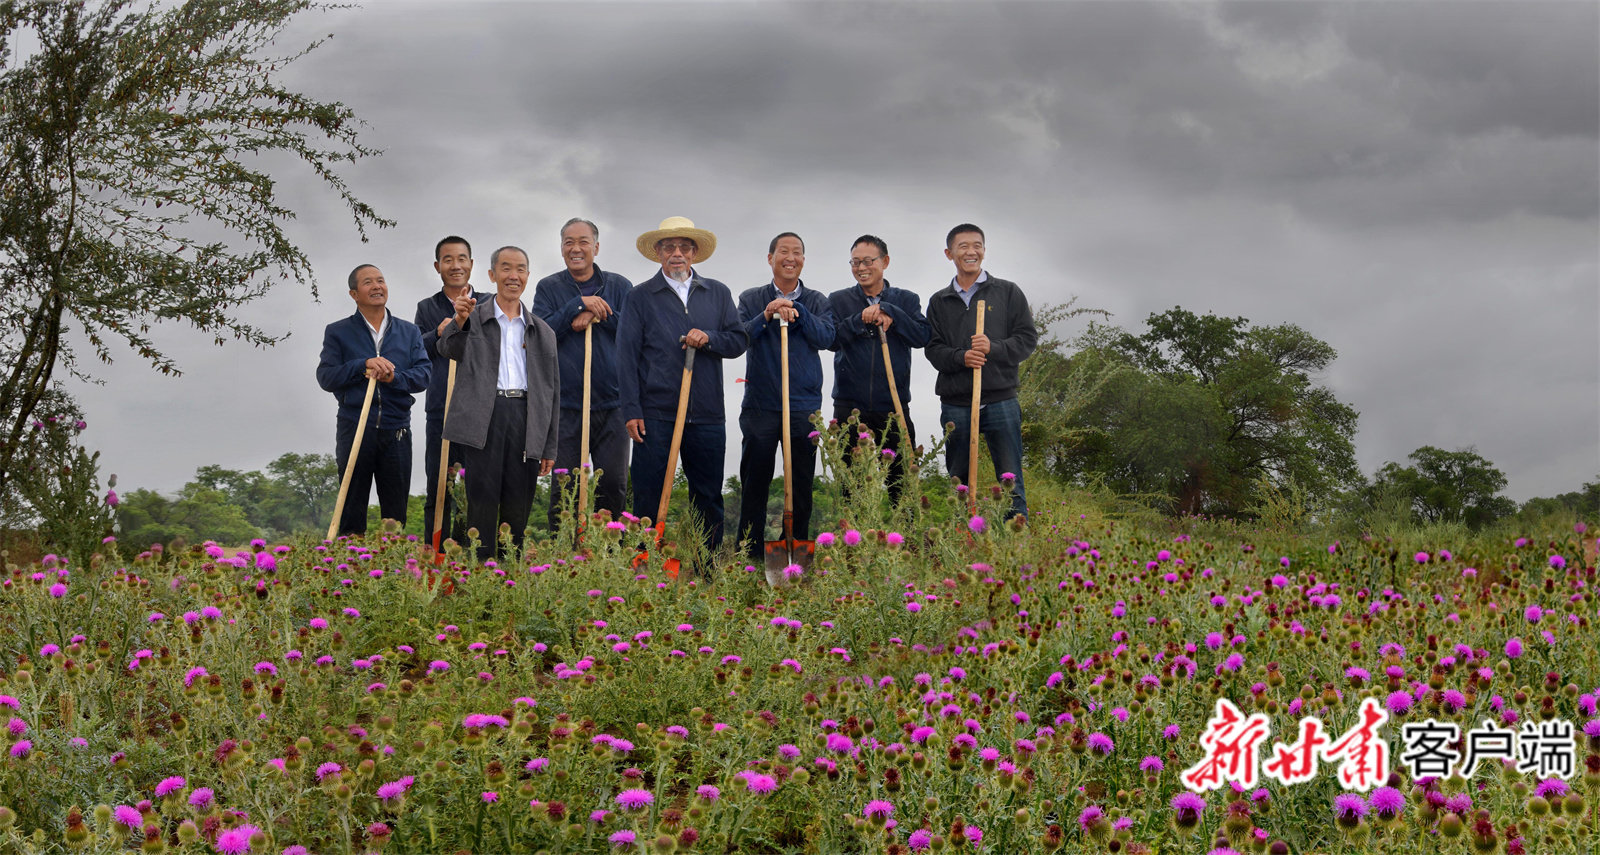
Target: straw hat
point(671, 227)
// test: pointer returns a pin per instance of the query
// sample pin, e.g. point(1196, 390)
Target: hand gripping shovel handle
point(349, 462)
point(972, 435)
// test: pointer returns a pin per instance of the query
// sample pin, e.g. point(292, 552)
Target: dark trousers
point(500, 479)
point(384, 456)
point(763, 438)
point(885, 430)
point(608, 451)
point(433, 443)
point(1000, 423)
point(701, 452)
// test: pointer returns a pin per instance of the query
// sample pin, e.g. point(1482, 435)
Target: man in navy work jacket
point(507, 402)
point(864, 315)
point(585, 297)
point(955, 350)
point(452, 260)
point(762, 309)
point(373, 343)
point(678, 303)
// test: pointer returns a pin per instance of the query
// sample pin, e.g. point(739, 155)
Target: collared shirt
point(513, 363)
point(966, 295)
point(377, 334)
point(680, 288)
point(792, 296)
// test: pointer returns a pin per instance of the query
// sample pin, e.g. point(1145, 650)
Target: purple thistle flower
point(168, 786)
point(920, 840)
point(877, 809)
point(129, 817)
point(636, 799)
point(1349, 806)
point(623, 839)
point(329, 768)
point(202, 798)
point(236, 841)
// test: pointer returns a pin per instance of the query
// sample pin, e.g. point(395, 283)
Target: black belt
point(511, 393)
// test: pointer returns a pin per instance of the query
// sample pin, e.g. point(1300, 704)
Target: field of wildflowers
point(948, 685)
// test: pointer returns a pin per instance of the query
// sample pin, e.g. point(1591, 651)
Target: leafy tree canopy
point(1205, 408)
point(134, 189)
point(1449, 486)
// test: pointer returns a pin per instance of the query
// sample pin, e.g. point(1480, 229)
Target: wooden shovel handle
point(972, 435)
point(437, 531)
point(908, 446)
point(677, 440)
point(349, 461)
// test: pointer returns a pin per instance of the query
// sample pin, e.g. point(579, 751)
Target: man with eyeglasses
point(507, 404)
point(584, 297)
point(674, 310)
point(763, 309)
point(956, 350)
point(865, 314)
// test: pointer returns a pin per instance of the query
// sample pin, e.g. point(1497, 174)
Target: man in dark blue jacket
point(452, 260)
point(678, 303)
point(373, 343)
point(585, 297)
point(762, 309)
point(864, 315)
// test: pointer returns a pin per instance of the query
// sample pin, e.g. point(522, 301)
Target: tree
point(199, 513)
point(1584, 503)
point(1449, 486)
point(1208, 408)
point(133, 182)
point(1053, 388)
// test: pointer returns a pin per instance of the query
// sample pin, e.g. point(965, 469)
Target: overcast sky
point(1416, 184)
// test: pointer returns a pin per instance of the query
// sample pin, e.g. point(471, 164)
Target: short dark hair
point(359, 268)
point(874, 240)
point(494, 257)
point(439, 247)
point(961, 229)
point(576, 220)
point(773, 246)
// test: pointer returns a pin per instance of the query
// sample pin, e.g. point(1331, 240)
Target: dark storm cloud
point(1415, 183)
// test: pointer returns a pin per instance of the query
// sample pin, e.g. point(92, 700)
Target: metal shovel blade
point(782, 553)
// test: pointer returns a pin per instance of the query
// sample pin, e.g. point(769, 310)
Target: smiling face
point(867, 264)
point(787, 259)
point(677, 255)
point(509, 273)
point(579, 246)
point(454, 265)
point(966, 250)
point(371, 291)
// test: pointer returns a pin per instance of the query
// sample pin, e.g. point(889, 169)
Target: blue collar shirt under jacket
point(859, 381)
point(557, 301)
point(431, 311)
point(650, 358)
point(346, 347)
point(812, 331)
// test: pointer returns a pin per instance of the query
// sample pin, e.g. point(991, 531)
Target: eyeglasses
point(864, 262)
point(669, 247)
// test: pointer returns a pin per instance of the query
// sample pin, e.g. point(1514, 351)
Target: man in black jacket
point(956, 349)
point(864, 315)
point(452, 260)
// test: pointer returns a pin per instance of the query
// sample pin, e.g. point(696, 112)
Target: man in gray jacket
point(507, 403)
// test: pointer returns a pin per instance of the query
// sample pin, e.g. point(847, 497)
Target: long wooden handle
point(972, 436)
point(907, 444)
point(677, 440)
point(583, 442)
point(350, 460)
point(437, 532)
point(788, 464)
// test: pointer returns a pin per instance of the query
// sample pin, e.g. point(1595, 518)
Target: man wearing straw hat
point(763, 308)
point(865, 315)
point(674, 310)
point(580, 301)
point(507, 403)
point(959, 351)
point(373, 345)
point(452, 260)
